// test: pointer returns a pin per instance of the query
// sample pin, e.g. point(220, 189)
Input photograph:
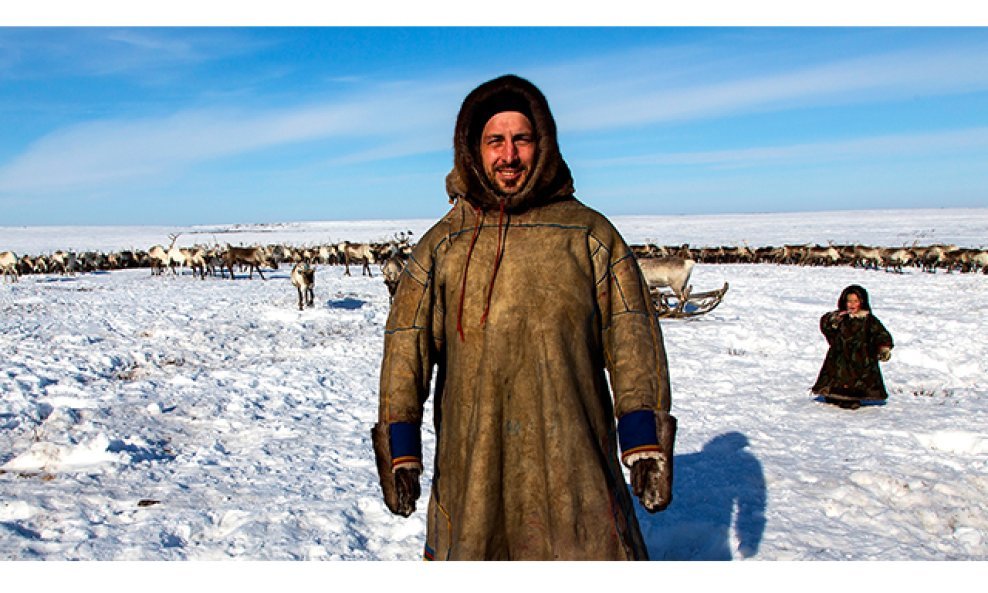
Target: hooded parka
point(850, 369)
point(527, 306)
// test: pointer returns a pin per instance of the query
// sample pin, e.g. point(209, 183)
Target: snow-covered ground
point(171, 418)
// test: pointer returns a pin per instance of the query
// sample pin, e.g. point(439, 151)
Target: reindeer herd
point(670, 265)
point(930, 258)
point(217, 261)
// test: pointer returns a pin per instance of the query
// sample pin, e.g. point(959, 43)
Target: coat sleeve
point(880, 337)
point(634, 352)
point(830, 326)
point(409, 356)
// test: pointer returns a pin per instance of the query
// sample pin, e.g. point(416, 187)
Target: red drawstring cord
point(501, 232)
point(466, 268)
point(497, 262)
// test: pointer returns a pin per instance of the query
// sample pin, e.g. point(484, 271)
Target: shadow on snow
point(348, 303)
point(156, 451)
point(719, 487)
point(865, 403)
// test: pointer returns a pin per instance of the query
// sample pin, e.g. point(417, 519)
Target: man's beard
point(516, 182)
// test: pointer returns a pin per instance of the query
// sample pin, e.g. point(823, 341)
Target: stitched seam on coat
point(449, 529)
point(419, 306)
point(555, 225)
point(654, 333)
point(623, 258)
point(413, 275)
point(631, 312)
point(426, 287)
point(517, 225)
point(620, 289)
point(659, 348)
point(607, 268)
point(396, 330)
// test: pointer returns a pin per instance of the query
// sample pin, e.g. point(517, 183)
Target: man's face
point(507, 147)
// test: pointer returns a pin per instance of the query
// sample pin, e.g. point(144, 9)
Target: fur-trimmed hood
point(549, 178)
point(858, 291)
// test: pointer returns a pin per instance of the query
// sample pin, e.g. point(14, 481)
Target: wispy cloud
point(42, 52)
point(116, 151)
point(416, 116)
point(606, 101)
point(871, 149)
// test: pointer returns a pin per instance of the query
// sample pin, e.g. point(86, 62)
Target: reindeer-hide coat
point(851, 365)
point(548, 296)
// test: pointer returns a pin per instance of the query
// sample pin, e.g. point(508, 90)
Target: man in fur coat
point(527, 303)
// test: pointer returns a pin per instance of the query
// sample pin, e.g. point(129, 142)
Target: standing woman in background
point(858, 341)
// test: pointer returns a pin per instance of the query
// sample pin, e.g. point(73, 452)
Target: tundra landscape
point(182, 415)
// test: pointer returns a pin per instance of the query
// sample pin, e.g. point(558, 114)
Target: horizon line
point(247, 225)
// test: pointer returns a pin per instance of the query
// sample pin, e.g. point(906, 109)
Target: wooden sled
point(695, 303)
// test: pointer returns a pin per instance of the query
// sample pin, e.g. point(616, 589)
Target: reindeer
point(176, 255)
point(404, 243)
point(896, 258)
point(979, 261)
point(791, 254)
point(127, 259)
point(866, 257)
point(361, 252)
point(711, 255)
point(729, 254)
point(64, 261)
point(768, 254)
point(195, 258)
point(8, 263)
point(278, 253)
point(672, 272)
point(90, 261)
point(304, 280)
point(328, 254)
point(650, 249)
point(392, 269)
point(214, 258)
point(41, 265)
point(306, 254)
point(159, 257)
point(966, 259)
point(394, 262)
point(252, 257)
point(683, 251)
point(746, 254)
point(27, 265)
point(935, 255)
point(112, 261)
point(825, 256)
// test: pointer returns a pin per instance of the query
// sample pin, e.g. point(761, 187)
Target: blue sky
point(210, 125)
